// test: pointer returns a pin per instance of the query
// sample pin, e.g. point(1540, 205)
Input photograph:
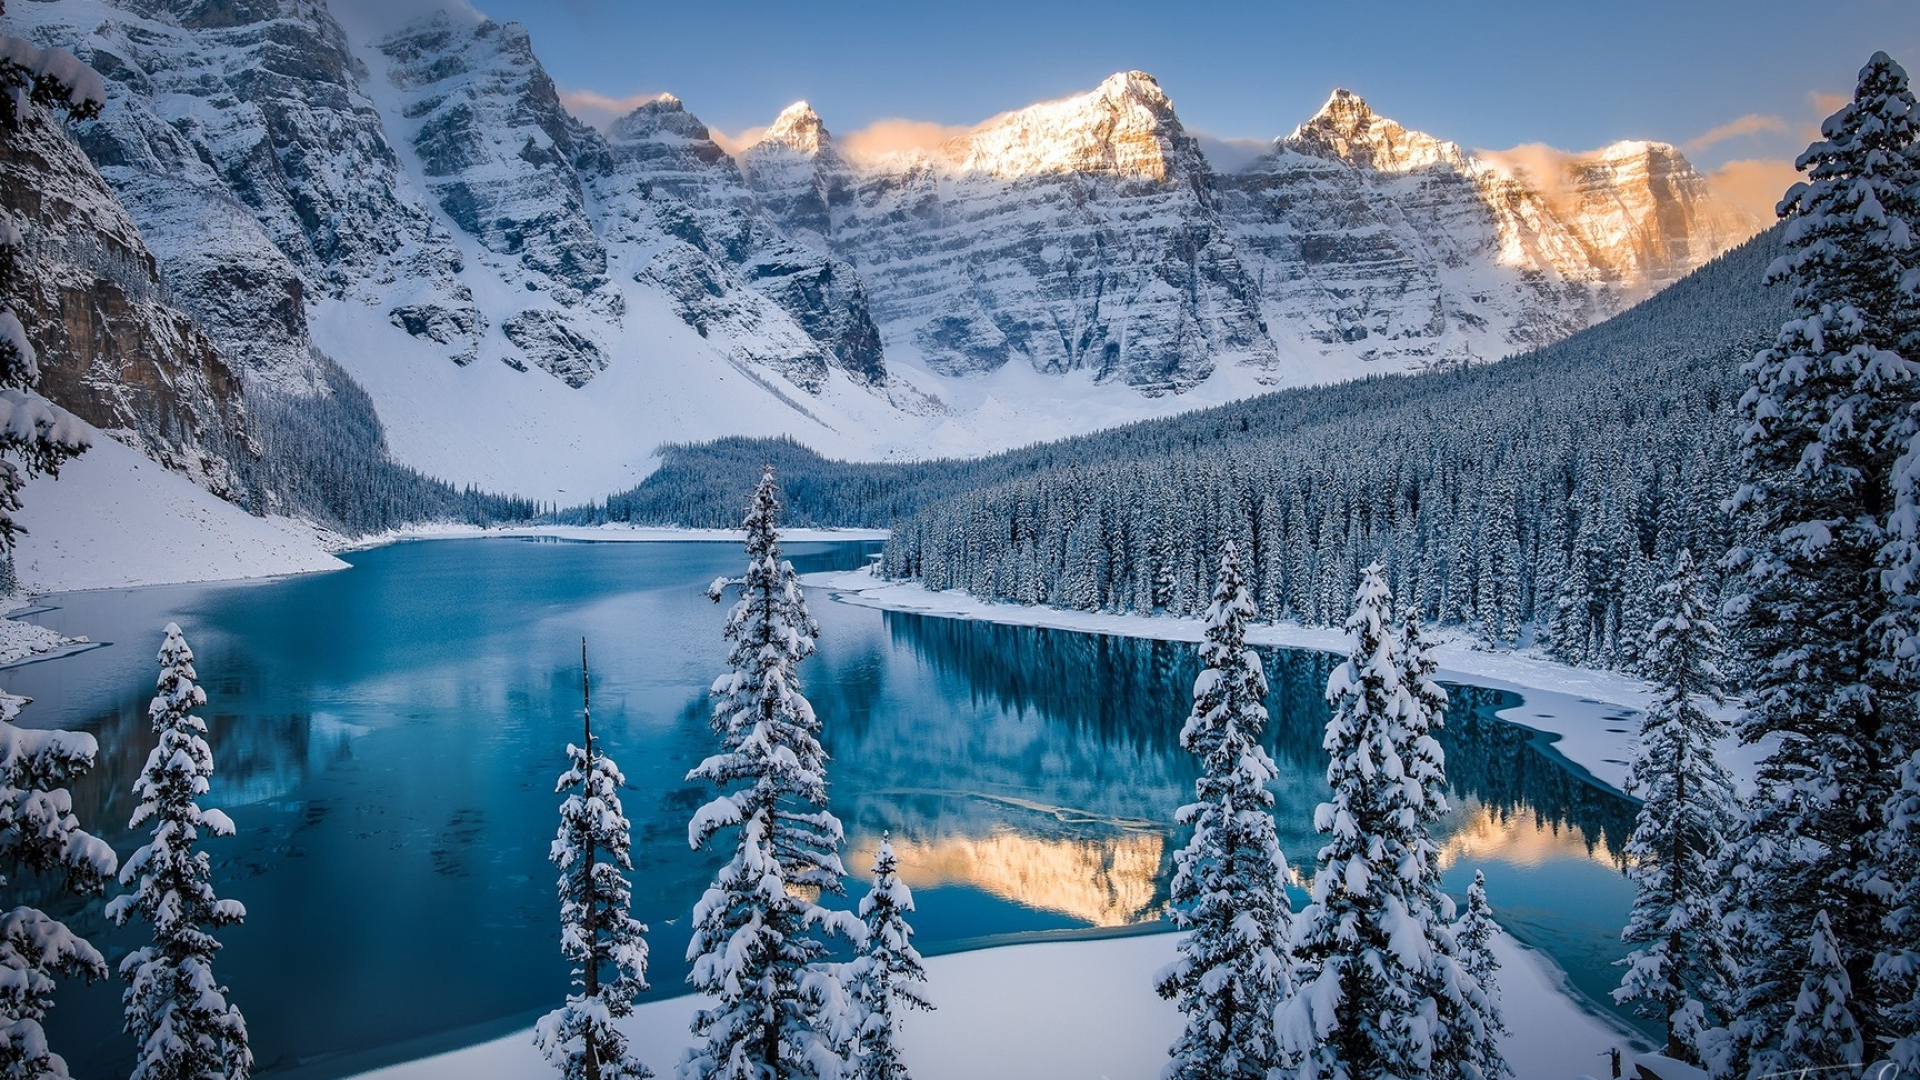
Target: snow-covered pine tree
point(176, 1011)
point(888, 969)
point(39, 833)
point(755, 949)
point(1229, 882)
point(1823, 1037)
point(38, 829)
point(1474, 933)
point(1419, 673)
point(1830, 408)
point(598, 932)
point(1466, 1043)
point(1679, 971)
point(1361, 1008)
point(1898, 966)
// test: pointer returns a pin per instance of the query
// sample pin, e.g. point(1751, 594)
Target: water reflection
point(1104, 882)
point(1109, 743)
point(387, 739)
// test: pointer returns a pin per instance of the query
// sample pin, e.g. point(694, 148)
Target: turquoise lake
point(387, 739)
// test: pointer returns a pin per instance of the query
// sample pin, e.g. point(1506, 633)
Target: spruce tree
point(1827, 413)
point(176, 1011)
point(1362, 1008)
point(1822, 1035)
point(1474, 932)
point(888, 969)
point(1898, 966)
point(1466, 1004)
point(39, 832)
point(598, 932)
point(754, 948)
point(1679, 971)
point(1229, 883)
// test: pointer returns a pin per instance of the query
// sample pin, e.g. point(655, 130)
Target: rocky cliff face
point(1078, 235)
point(261, 178)
point(672, 190)
point(112, 347)
point(1383, 244)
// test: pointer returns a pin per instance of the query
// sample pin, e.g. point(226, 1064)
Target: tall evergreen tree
point(1361, 1009)
point(1825, 417)
point(1467, 1012)
point(1680, 970)
point(888, 969)
point(38, 829)
point(754, 948)
point(176, 1011)
point(1898, 966)
point(1474, 933)
point(1822, 1035)
point(1229, 883)
point(598, 932)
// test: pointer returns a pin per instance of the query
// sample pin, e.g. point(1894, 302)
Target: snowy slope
point(1081, 1010)
point(114, 519)
point(534, 306)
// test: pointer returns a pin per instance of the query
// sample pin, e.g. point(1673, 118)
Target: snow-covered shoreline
point(999, 1015)
point(610, 533)
point(1586, 716)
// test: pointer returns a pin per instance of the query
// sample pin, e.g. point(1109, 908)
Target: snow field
point(114, 519)
point(1067, 1010)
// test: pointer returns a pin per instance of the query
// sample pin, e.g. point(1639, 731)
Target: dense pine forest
point(324, 458)
point(1545, 493)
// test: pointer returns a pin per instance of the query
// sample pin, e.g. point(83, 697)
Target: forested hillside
point(1546, 490)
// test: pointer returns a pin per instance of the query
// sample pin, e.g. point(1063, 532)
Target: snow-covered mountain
point(1079, 235)
point(534, 305)
point(113, 346)
point(1378, 243)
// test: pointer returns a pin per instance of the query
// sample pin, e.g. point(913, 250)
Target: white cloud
point(599, 110)
point(1754, 185)
point(1751, 124)
point(1230, 154)
point(894, 135)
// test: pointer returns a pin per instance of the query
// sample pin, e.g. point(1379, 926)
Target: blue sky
point(1486, 73)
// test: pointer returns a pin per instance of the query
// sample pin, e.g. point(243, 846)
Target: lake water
point(387, 739)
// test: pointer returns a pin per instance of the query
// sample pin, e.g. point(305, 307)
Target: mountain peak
point(798, 127)
point(664, 116)
point(1133, 86)
point(1123, 127)
point(1345, 112)
point(1347, 129)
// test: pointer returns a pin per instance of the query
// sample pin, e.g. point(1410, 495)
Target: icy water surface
point(387, 738)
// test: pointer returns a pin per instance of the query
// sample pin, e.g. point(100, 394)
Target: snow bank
point(115, 519)
point(23, 641)
point(1593, 716)
point(1069, 1010)
point(613, 533)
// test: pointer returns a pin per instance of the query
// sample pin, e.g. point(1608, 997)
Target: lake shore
point(1587, 717)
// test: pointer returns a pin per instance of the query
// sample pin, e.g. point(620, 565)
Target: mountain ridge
point(424, 197)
